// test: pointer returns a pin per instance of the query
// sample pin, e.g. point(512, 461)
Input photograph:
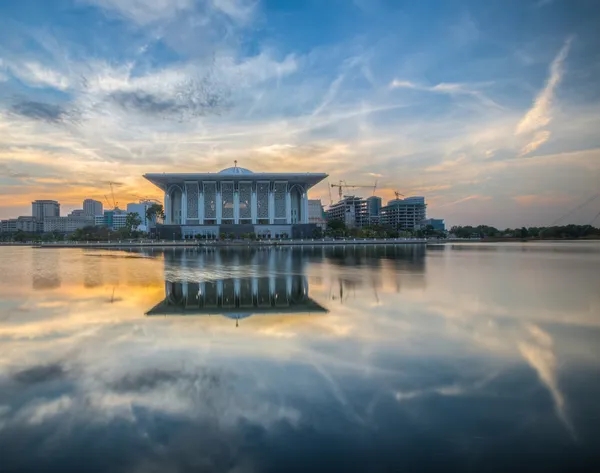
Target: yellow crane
point(342, 185)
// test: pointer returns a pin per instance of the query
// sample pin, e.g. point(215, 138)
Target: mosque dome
point(235, 170)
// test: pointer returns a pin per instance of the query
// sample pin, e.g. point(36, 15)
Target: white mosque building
point(236, 200)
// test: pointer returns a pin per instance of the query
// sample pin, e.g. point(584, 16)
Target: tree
point(132, 221)
point(155, 211)
point(336, 228)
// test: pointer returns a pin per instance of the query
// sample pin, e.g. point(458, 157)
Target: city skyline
point(489, 110)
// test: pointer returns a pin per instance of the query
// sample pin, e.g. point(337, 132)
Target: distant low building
point(67, 224)
point(112, 219)
point(9, 225)
point(316, 214)
point(140, 208)
point(77, 213)
point(437, 224)
point(29, 224)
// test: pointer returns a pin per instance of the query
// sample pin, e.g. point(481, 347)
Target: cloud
point(542, 199)
point(447, 88)
point(538, 140)
point(540, 114)
point(39, 111)
point(240, 10)
point(144, 11)
point(467, 199)
point(37, 75)
point(40, 374)
point(445, 165)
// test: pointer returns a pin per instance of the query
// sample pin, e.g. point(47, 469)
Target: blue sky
point(489, 109)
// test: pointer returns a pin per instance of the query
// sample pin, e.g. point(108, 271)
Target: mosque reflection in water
point(277, 285)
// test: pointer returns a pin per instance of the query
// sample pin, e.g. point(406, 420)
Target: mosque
point(235, 200)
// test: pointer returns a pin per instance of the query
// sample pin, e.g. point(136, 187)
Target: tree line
point(551, 233)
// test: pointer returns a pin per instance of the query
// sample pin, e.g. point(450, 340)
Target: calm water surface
point(468, 357)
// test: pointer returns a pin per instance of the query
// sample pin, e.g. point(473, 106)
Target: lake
point(460, 357)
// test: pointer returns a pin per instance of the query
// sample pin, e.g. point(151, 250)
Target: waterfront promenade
point(221, 244)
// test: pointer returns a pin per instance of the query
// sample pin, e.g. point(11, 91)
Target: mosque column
point(253, 204)
point(219, 204)
point(236, 205)
point(183, 205)
point(288, 207)
point(305, 207)
point(271, 206)
point(200, 204)
point(168, 209)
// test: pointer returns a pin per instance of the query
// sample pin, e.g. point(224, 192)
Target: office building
point(92, 207)
point(404, 214)
point(41, 209)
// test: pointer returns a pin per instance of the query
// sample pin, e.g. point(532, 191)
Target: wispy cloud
point(540, 114)
point(38, 75)
point(447, 88)
point(143, 11)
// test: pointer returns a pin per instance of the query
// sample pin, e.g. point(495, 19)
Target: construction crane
point(146, 198)
point(397, 194)
point(342, 185)
point(107, 202)
point(112, 193)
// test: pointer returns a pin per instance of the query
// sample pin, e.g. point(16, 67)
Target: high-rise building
point(41, 209)
point(373, 209)
point(351, 210)
point(92, 207)
point(404, 214)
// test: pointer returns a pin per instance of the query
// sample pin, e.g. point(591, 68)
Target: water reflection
point(370, 359)
point(238, 298)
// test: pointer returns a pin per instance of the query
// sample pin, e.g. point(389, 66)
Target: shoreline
point(228, 244)
point(277, 243)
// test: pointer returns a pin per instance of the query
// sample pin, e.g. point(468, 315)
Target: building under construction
point(400, 214)
point(404, 214)
point(351, 210)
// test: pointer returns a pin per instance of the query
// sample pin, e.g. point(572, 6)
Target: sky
point(490, 110)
